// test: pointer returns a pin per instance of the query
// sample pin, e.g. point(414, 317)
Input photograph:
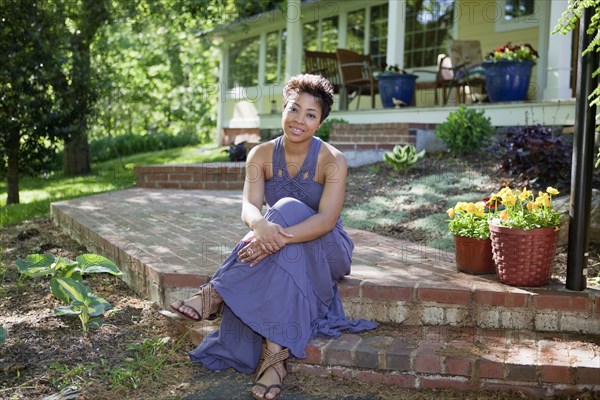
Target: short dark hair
point(314, 85)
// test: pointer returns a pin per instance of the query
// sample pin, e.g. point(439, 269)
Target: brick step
point(443, 357)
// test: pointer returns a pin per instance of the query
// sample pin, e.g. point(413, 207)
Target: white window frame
point(528, 21)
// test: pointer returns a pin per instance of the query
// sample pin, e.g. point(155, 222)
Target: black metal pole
point(583, 157)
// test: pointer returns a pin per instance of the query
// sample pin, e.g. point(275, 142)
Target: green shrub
point(108, 148)
point(465, 131)
point(323, 132)
point(403, 158)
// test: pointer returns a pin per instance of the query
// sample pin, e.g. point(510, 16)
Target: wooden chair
point(356, 75)
point(324, 64)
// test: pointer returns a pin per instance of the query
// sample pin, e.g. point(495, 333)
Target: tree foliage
point(31, 83)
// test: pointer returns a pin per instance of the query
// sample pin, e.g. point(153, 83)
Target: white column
point(293, 49)
point(558, 68)
point(343, 29)
point(395, 39)
point(262, 66)
point(221, 89)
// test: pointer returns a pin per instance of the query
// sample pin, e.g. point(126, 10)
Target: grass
point(36, 194)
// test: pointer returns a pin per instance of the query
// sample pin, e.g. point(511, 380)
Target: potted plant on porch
point(508, 72)
point(524, 232)
point(396, 86)
point(469, 225)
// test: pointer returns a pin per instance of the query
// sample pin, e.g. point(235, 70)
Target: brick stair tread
point(453, 357)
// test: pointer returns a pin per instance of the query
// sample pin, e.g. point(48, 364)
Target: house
point(258, 54)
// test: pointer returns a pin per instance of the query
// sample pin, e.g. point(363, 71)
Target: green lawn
point(36, 194)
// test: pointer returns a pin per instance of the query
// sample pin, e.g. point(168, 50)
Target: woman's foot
point(206, 304)
point(271, 372)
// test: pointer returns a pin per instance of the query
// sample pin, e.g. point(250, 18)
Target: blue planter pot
point(507, 80)
point(400, 87)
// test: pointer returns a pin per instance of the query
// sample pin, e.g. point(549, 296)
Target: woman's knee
point(291, 210)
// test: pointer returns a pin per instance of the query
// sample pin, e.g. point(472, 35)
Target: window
point(324, 40)
point(428, 25)
point(518, 14)
point(378, 36)
point(243, 63)
point(356, 31)
point(275, 62)
point(514, 9)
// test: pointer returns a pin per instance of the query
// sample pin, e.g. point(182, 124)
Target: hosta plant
point(66, 284)
point(88, 307)
point(469, 220)
point(403, 158)
point(39, 265)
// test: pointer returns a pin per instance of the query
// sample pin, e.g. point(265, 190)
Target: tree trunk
point(77, 154)
point(12, 173)
point(76, 159)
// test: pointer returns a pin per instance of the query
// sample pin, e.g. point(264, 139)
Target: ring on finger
point(250, 252)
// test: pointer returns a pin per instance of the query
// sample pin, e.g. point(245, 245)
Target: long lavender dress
point(290, 296)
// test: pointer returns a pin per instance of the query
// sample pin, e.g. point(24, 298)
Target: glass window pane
point(310, 36)
point(275, 39)
point(378, 37)
point(428, 25)
point(329, 34)
point(356, 31)
point(243, 63)
point(518, 8)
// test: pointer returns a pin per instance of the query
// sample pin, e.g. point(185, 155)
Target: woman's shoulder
point(330, 153)
point(262, 151)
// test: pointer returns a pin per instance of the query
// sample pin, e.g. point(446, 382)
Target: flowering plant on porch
point(510, 52)
point(521, 209)
point(469, 220)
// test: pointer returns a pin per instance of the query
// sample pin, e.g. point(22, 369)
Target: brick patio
point(447, 329)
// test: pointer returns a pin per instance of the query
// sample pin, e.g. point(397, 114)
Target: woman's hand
point(270, 237)
point(252, 253)
point(267, 238)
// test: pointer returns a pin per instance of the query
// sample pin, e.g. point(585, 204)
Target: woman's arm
point(267, 235)
point(335, 170)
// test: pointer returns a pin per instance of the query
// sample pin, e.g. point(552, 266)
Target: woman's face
point(301, 118)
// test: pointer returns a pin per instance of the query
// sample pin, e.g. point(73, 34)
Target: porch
point(442, 329)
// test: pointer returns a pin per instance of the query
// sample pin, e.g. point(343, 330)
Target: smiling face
point(301, 118)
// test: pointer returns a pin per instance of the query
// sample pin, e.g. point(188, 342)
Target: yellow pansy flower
point(471, 209)
point(450, 212)
point(551, 191)
point(504, 215)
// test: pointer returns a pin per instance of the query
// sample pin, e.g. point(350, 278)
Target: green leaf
point(66, 310)
point(36, 265)
point(94, 263)
point(95, 322)
point(75, 290)
point(58, 291)
point(96, 308)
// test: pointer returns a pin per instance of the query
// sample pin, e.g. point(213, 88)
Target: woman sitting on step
point(278, 287)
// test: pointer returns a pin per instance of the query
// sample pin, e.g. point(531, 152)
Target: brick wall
point(384, 136)
point(210, 176)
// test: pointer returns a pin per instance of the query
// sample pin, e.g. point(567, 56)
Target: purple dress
point(291, 295)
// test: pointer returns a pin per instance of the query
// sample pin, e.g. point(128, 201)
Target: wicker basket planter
point(474, 256)
point(523, 257)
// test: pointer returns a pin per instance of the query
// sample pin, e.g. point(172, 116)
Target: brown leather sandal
point(278, 361)
point(210, 299)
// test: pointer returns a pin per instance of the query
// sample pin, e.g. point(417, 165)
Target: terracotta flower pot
point(474, 256)
point(523, 257)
